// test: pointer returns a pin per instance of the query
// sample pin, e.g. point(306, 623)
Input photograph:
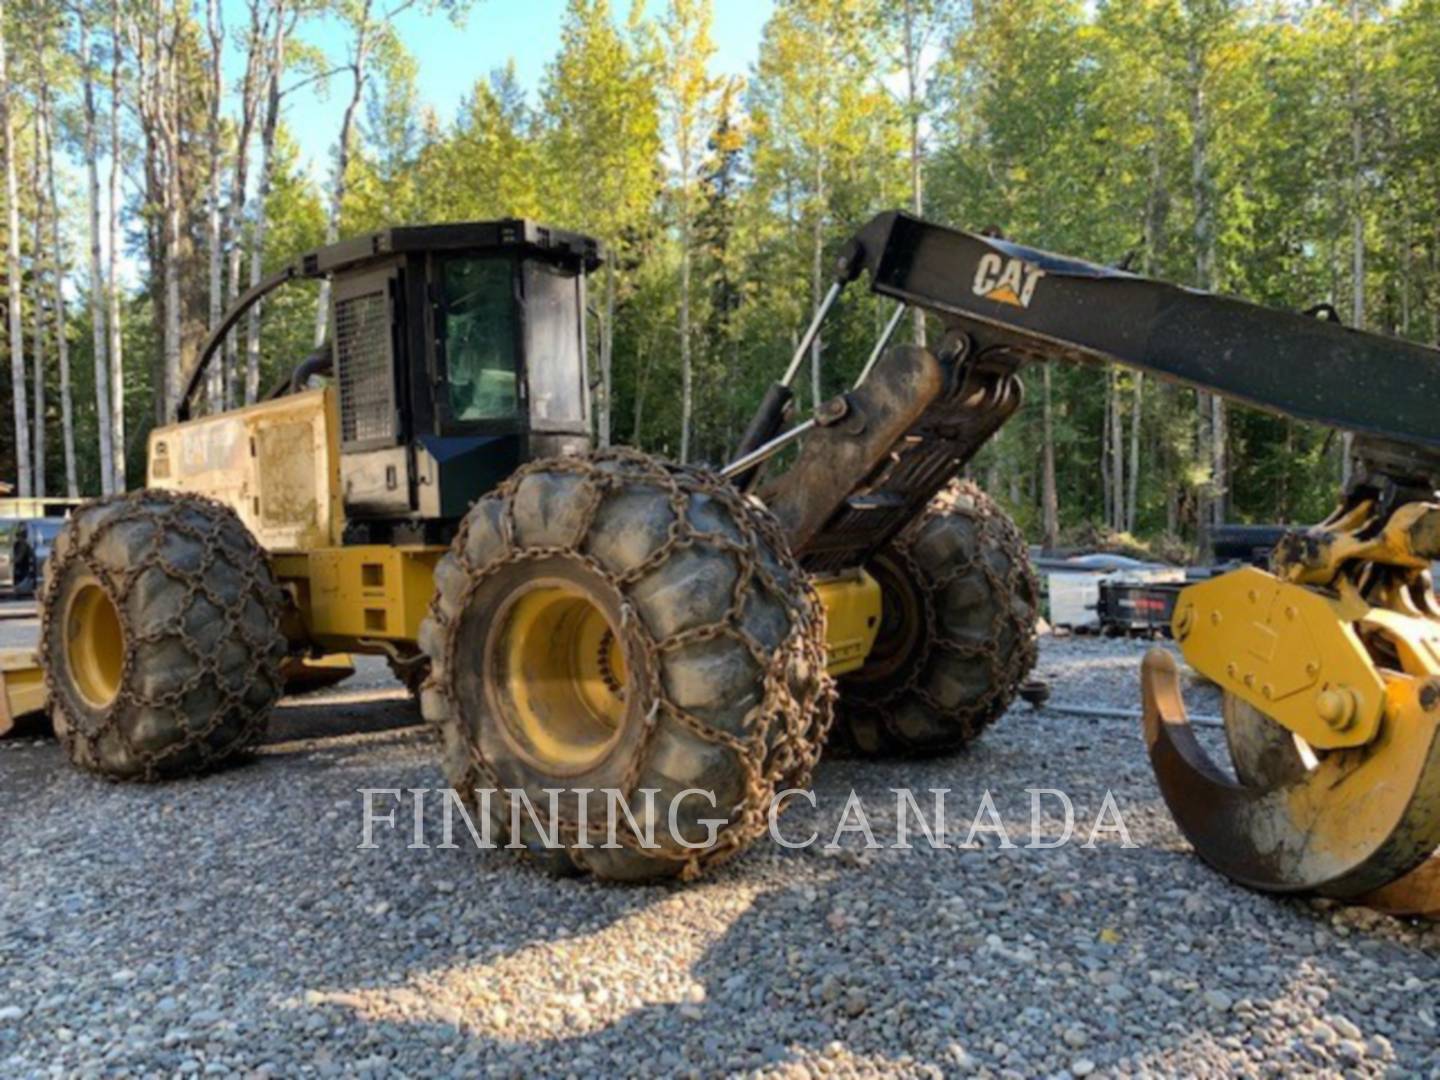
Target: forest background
point(1284, 151)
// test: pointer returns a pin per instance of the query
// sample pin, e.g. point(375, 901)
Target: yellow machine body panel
point(277, 464)
point(348, 596)
point(22, 686)
point(852, 620)
point(1289, 651)
point(354, 598)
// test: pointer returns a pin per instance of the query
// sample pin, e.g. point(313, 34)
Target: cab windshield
point(480, 338)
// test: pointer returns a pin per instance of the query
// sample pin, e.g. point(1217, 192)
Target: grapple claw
point(1356, 821)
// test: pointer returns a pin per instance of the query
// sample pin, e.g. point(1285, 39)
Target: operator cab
point(457, 353)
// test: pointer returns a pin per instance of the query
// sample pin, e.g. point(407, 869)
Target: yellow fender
point(22, 687)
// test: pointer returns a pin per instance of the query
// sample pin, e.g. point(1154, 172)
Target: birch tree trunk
point(37, 310)
point(112, 280)
point(1211, 408)
point(687, 375)
point(1117, 452)
point(252, 87)
point(167, 101)
point(360, 71)
point(1049, 497)
point(217, 378)
point(913, 100)
point(14, 287)
point(1357, 220)
point(99, 337)
point(1220, 459)
point(154, 86)
point(1132, 495)
point(57, 281)
point(1156, 207)
point(1407, 265)
point(607, 355)
point(274, 69)
point(686, 92)
point(1107, 488)
point(817, 276)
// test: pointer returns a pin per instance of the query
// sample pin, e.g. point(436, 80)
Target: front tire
point(159, 636)
point(958, 632)
point(616, 624)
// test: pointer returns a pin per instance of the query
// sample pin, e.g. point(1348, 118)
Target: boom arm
point(872, 458)
point(1064, 309)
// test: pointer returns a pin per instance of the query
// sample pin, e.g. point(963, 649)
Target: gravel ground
point(233, 925)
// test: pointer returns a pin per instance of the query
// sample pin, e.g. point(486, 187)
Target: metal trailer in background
point(1144, 608)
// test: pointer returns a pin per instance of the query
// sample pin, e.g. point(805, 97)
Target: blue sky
point(451, 58)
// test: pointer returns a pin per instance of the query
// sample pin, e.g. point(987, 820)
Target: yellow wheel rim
point(94, 645)
point(559, 677)
point(902, 622)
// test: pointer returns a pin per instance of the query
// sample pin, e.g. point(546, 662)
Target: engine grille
point(362, 346)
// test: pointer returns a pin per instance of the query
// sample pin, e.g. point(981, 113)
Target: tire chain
point(168, 514)
point(1005, 671)
point(803, 714)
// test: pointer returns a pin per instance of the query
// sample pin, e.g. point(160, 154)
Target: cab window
point(557, 367)
point(480, 339)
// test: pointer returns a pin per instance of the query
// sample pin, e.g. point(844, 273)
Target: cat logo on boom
point(1006, 281)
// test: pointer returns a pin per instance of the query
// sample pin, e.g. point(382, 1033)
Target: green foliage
point(1160, 132)
point(1065, 124)
point(599, 132)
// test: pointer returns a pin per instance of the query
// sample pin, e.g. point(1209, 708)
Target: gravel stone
point(1218, 1000)
point(256, 938)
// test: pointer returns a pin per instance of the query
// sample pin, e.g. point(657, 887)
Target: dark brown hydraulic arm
point(877, 454)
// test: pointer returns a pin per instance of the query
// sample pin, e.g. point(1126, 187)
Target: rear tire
point(958, 631)
point(616, 623)
point(159, 636)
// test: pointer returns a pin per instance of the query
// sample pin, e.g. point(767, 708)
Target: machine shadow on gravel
point(841, 972)
point(711, 1034)
point(823, 957)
